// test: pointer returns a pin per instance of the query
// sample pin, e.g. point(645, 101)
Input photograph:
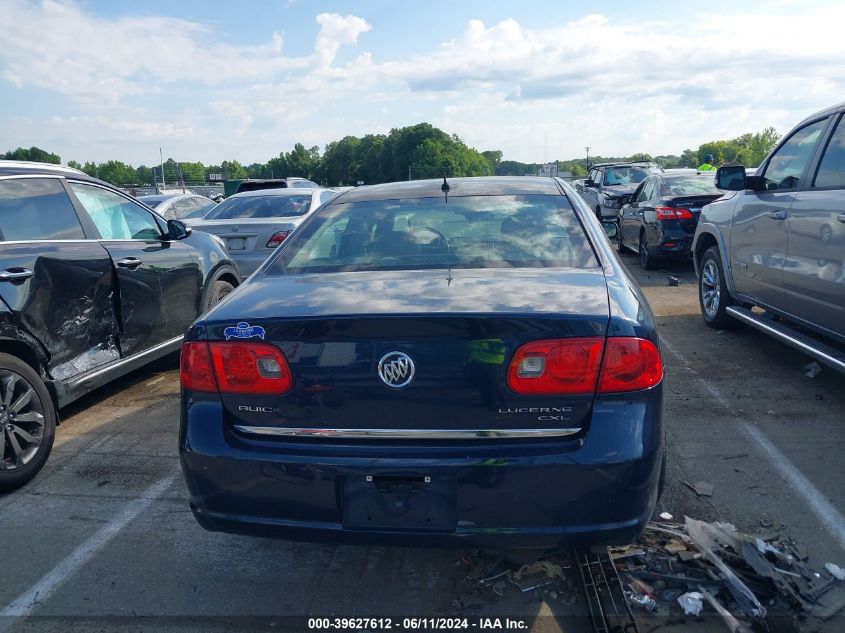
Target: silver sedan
point(254, 223)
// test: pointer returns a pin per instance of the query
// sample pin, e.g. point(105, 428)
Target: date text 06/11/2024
point(418, 624)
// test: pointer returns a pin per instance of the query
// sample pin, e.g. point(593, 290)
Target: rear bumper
point(596, 489)
point(673, 242)
point(249, 261)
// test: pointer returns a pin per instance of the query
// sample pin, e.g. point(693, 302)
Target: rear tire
point(619, 245)
point(713, 294)
point(218, 291)
point(647, 261)
point(27, 422)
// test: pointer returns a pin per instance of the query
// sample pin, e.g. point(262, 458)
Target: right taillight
point(629, 364)
point(672, 213)
point(557, 366)
point(277, 238)
point(229, 367)
point(584, 366)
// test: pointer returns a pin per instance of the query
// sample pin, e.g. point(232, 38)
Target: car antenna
point(445, 187)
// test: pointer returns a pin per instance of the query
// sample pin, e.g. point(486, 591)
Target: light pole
point(588, 157)
point(161, 163)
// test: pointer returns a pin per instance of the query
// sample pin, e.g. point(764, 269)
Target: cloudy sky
point(209, 80)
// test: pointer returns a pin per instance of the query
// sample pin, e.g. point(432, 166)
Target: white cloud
point(335, 31)
point(619, 87)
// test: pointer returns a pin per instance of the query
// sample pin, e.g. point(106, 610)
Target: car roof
point(623, 163)
point(25, 167)
point(475, 186)
point(287, 191)
point(822, 113)
point(161, 197)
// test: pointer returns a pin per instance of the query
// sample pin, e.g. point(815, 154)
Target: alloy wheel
point(21, 421)
point(710, 288)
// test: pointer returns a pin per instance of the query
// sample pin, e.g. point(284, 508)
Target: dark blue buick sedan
point(430, 363)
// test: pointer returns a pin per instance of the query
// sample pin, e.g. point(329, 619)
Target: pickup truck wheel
point(27, 422)
point(713, 295)
point(648, 262)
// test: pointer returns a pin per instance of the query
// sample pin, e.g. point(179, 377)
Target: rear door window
point(37, 209)
point(524, 231)
point(116, 217)
point(832, 167)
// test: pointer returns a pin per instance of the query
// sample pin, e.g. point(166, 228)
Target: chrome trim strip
point(817, 350)
point(136, 358)
point(408, 434)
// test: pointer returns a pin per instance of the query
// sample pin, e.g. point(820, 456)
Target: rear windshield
point(690, 186)
point(261, 207)
point(528, 231)
point(152, 204)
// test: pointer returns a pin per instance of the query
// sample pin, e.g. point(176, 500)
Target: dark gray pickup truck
point(776, 242)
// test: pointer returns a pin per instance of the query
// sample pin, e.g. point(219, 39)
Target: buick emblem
point(396, 369)
point(235, 229)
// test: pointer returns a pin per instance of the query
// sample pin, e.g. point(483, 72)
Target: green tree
point(116, 173)
point(74, 164)
point(35, 154)
point(233, 170)
point(192, 172)
point(368, 158)
point(639, 157)
point(144, 175)
point(341, 161)
point(494, 158)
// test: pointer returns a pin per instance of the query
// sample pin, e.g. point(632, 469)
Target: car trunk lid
point(459, 328)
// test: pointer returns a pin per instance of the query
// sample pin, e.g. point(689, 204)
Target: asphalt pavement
point(103, 538)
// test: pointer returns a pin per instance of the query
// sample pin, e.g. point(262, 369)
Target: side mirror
point(731, 178)
point(178, 230)
point(611, 228)
point(589, 182)
point(625, 199)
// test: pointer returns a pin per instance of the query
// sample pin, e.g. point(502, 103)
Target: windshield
point(261, 207)
point(625, 175)
point(425, 233)
point(689, 186)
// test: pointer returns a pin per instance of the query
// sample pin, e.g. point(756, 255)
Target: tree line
point(411, 152)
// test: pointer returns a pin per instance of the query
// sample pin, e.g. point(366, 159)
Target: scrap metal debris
point(752, 582)
point(812, 370)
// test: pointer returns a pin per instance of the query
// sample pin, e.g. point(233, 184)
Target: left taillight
point(195, 370)
point(230, 368)
point(277, 238)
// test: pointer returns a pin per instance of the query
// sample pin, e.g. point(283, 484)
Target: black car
point(92, 286)
point(660, 219)
point(430, 363)
point(608, 183)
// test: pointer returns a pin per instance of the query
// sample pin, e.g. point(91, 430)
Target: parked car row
point(257, 221)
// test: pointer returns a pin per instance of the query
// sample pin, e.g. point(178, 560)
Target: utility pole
point(588, 157)
point(409, 171)
point(161, 161)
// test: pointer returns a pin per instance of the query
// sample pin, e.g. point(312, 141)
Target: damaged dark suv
point(92, 285)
